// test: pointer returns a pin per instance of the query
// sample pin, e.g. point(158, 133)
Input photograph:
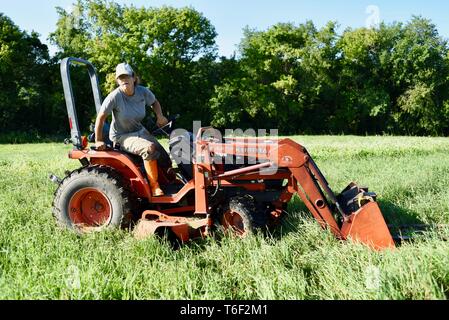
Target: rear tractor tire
point(91, 199)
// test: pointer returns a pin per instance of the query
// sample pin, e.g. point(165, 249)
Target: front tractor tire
point(240, 217)
point(92, 198)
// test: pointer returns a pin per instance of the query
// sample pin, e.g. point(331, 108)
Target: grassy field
point(410, 175)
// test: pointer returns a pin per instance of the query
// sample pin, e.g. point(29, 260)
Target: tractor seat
point(134, 157)
point(106, 128)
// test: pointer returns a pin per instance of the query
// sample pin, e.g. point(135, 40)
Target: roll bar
point(75, 132)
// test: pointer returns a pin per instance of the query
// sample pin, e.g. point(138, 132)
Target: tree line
point(300, 79)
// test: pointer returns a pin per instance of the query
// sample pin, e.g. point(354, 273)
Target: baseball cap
point(123, 68)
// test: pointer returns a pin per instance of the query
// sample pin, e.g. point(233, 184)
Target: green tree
point(364, 102)
point(393, 79)
point(172, 50)
point(285, 80)
point(297, 78)
point(420, 72)
point(25, 80)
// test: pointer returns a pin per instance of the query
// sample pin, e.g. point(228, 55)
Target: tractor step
point(171, 189)
point(184, 228)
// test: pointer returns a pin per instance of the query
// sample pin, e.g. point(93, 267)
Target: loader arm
point(361, 220)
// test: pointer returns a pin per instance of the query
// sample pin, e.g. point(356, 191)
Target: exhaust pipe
point(55, 179)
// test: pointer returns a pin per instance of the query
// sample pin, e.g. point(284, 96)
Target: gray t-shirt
point(127, 112)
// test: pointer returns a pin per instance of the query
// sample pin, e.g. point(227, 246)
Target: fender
point(121, 163)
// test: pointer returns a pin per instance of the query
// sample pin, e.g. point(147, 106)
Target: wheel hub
point(90, 207)
point(233, 221)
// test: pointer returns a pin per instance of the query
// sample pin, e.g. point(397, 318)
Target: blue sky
point(230, 16)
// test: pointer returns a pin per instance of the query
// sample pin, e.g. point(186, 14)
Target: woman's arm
point(161, 119)
point(99, 123)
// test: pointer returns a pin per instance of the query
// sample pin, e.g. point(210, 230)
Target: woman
point(127, 104)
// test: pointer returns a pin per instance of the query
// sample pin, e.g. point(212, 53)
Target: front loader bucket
point(367, 225)
point(362, 218)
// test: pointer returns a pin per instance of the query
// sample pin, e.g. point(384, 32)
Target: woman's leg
point(149, 153)
point(152, 173)
point(163, 159)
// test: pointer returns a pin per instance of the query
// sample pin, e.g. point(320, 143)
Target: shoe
point(152, 173)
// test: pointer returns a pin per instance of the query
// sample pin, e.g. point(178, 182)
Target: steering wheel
point(168, 128)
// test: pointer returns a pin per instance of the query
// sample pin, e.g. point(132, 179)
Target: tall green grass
point(301, 261)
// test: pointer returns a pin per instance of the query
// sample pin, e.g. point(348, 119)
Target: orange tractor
point(240, 185)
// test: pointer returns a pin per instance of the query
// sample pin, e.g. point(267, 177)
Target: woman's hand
point(100, 146)
point(161, 121)
point(99, 123)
